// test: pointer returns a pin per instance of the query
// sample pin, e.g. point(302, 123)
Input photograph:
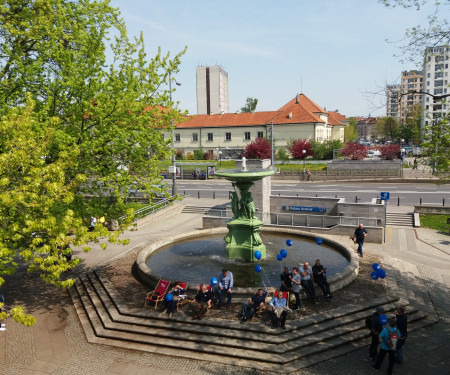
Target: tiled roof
point(334, 119)
point(291, 113)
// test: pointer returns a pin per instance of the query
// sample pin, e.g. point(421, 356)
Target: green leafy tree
point(282, 154)
point(410, 130)
point(324, 150)
point(85, 124)
point(387, 128)
point(350, 132)
point(258, 149)
point(437, 142)
point(250, 105)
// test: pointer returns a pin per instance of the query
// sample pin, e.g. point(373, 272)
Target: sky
point(334, 51)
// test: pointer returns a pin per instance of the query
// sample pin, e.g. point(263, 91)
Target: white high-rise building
point(411, 88)
point(435, 83)
point(212, 90)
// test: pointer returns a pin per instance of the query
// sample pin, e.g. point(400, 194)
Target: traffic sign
point(384, 196)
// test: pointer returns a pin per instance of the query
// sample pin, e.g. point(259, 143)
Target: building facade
point(365, 126)
point(411, 85)
point(436, 81)
point(212, 90)
point(393, 101)
point(300, 118)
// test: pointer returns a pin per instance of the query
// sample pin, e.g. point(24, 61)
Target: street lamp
point(220, 159)
point(401, 159)
point(304, 155)
point(174, 168)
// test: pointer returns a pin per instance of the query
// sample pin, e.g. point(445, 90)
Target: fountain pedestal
point(243, 237)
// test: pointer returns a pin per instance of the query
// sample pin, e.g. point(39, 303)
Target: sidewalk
point(57, 345)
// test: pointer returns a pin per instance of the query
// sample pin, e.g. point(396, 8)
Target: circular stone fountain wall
point(191, 257)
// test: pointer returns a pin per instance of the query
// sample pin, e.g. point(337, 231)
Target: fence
point(304, 220)
point(150, 209)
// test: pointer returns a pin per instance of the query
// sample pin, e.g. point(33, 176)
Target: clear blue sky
point(331, 50)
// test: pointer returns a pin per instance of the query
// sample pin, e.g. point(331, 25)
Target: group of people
point(304, 277)
point(393, 338)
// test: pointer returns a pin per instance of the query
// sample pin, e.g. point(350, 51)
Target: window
point(195, 137)
point(228, 136)
point(439, 83)
point(247, 136)
point(210, 137)
point(177, 137)
point(260, 134)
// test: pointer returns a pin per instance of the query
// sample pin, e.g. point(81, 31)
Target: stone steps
point(195, 210)
point(106, 319)
point(399, 219)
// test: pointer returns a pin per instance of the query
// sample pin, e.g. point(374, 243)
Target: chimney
point(290, 114)
point(296, 100)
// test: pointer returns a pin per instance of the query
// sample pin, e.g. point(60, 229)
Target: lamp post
point(401, 159)
point(220, 159)
point(174, 168)
point(304, 153)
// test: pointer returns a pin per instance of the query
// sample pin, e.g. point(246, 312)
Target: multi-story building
point(212, 90)
point(365, 126)
point(411, 86)
point(300, 118)
point(436, 81)
point(393, 101)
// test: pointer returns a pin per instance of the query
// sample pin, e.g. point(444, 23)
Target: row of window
point(210, 136)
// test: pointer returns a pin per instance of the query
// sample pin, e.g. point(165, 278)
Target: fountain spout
point(244, 164)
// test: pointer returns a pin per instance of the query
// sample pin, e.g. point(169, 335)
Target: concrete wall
point(330, 204)
point(358, 165)
point(432, 209)
point(362, 210)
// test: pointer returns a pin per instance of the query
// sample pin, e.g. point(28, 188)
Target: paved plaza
point(57, 343)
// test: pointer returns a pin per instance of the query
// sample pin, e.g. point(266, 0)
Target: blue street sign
point(384, 196)
point(304, 209)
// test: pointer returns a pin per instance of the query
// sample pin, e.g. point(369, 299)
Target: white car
point(374, 154)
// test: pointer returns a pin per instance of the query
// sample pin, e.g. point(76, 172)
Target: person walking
point(360, 235)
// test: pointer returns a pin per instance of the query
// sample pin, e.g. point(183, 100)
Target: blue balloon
point(169, 297)
point(376, 266)
point(381, 273)
point(289, 242)
point(213, 281)
point(319, 241)
point(279, 257)
point(258, 268)
point(258, 254)
point(374, 275)
point(283, 253)
point(383, 319)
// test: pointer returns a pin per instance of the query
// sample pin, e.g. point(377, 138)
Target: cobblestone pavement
point(57, 344)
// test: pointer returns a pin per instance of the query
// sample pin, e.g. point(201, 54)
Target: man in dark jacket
point(402, 325)
point(360, 235)
point(375, 330)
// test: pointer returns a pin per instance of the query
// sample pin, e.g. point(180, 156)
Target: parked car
point(374, 154)
point(140, 192)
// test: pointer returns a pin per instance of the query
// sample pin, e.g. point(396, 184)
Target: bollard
point(420, 200)
point(356, 199)
point(335, 196)
point(297, 194)
point(443, 201)
point(198, 194)
point(316, 195)
point(398, 201)
point(184, 193)
point(214, 195)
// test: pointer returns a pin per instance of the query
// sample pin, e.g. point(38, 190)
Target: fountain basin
point(338, 280)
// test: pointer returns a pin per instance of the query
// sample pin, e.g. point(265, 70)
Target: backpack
point(393, 339)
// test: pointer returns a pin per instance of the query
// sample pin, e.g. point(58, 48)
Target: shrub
point(355, 151)
point(180, 154)
point(199, 154)
point(390, 152)
point(282, 154)
point(189, 156)
point(297, 146)
point(258, 149)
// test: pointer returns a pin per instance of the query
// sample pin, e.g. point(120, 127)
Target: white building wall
point(218, 90)
point(436, 82)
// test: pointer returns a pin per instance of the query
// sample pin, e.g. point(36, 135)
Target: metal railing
point(150, 209)
point(304, 220)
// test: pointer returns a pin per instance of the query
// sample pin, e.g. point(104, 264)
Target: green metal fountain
point(243, 237)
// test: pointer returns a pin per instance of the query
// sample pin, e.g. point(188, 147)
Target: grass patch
point(438, 222)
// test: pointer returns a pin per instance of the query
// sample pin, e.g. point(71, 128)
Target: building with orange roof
point(300, 118)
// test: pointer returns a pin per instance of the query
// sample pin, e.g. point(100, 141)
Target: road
point(403, 194)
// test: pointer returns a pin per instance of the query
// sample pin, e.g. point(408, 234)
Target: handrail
point(149, 209)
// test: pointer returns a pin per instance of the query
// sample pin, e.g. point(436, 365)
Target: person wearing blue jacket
point(392, 332)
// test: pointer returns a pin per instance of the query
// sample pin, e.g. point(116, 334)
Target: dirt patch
point(120, 273)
